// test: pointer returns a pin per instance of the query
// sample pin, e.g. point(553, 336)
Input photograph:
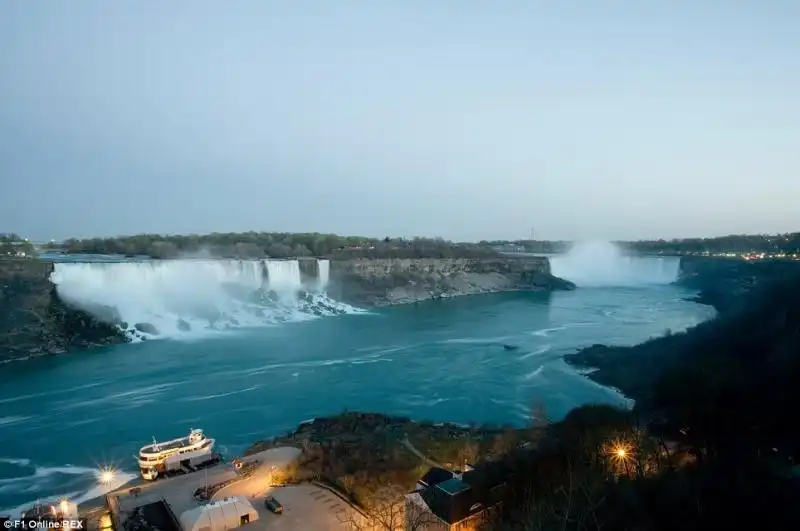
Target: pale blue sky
point(462, 119)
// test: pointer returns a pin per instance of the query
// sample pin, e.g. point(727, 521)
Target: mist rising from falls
point(604, 264)
point(179, 298)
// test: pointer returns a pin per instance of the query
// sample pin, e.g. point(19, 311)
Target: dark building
point(434, 476)
point(448, 501)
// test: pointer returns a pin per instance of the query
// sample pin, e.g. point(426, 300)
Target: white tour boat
point(184, 453)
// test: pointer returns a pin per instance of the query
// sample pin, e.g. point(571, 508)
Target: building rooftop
point(453, 486)
point(456, 499)
point(436, 475)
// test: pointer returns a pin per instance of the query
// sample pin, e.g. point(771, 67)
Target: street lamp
point(620, 452)
point(106, 476)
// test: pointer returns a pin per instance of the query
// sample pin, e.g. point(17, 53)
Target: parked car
point(273, 505)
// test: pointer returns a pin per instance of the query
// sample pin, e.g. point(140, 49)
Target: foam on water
point(14, 419)
point(541, 350)
point(194, 298)
point(42, 480)
point(544, 332)
point(534, 373)
point(15, 461)
point(594, 264)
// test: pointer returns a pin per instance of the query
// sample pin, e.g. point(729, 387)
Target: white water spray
point(179, 298)
point(604, 264)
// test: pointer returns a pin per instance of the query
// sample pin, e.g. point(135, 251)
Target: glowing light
point(619, 450)
point(106, 476)
point(64, 506)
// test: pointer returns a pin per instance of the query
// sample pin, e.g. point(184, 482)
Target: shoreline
point(727, 286)
point(605, 364)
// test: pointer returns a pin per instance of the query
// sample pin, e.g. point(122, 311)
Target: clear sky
point(461, 119)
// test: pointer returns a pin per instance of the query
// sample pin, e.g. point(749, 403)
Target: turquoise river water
point(62, 418)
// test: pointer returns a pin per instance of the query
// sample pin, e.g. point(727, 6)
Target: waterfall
point(324, 273)
point(173, 298)
point(284, 275)
point(603, 264)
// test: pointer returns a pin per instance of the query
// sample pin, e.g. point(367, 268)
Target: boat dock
point(161, 502)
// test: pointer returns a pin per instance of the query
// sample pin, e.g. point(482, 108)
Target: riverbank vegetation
point(285, 244)
point(272, 245)
point(360, 454)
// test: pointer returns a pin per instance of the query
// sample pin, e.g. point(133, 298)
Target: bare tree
point(388, 510)
point(573, 505)
point(468, 453)
point(348, 481)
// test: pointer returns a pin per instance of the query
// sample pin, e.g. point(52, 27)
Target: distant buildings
point(509, 248)
point(12, 245)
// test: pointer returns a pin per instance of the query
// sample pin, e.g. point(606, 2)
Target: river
point(62, 418)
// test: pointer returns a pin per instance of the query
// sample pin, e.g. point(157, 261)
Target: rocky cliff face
point(35, 322)
point(381, 282)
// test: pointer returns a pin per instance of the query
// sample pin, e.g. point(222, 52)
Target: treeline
point(272, 245)
point(529, 246)
point(12, 244)
point(711, 444)
point(747, 243)
point(754, 243)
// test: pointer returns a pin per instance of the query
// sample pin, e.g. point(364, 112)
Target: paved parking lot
point(305, 508)
point(178, 491)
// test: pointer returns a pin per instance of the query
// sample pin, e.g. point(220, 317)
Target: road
point(413, 449)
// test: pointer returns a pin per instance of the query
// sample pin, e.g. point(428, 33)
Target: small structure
point(154, 516)
point(446, 501)
point(222, 515)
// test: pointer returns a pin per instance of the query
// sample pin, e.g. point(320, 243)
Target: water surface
point(63, 417)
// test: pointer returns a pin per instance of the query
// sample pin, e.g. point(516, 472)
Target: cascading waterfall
point(284, 275)
point(176, 298)
point(604, 264)
point(324, 273)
